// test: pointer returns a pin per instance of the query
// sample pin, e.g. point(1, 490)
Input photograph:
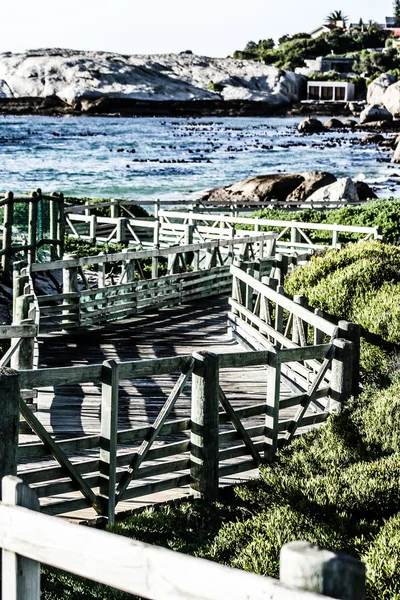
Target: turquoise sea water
point(170, 159)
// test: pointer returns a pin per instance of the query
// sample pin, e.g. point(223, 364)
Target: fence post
point(9, 420)
point(154, 263)
point(61, 225)
point(313, 569)
point(156, 233)
point(23, 357)
point(70, 285)
point(108, 437)
point(352, 332)
point(32, 225)
point(20, 575)
point(318, 334)
point(342, 374)
point(204, 436)
point(272, 408)
point(129, 268)
point(121, 230)
point(114, 208)
point(8, 221)
point(54, 221)
point(298, 324)
point(9, 427)
point(101, 272)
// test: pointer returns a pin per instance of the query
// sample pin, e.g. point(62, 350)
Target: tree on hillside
point(335, 16)
point(396, 13)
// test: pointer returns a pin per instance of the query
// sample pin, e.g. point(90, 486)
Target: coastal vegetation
point(292, 51)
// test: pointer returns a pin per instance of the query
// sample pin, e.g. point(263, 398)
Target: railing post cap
point(304, 566)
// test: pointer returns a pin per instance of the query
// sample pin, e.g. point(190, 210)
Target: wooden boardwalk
point(74, 410)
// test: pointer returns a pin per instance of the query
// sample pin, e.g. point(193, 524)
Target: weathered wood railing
point(123, 464)
point(210, 226)
point(29, 224)
point(262, 316)
point(192, 271)
point(28, 538)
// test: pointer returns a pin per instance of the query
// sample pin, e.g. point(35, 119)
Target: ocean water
point(170, 158)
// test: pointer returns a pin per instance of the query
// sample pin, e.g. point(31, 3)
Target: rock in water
point(296, 186)
point(378, 87)
point(310, 125)
point(75, 76)
point(375, 113)
point(333, 124)
point(342, 190)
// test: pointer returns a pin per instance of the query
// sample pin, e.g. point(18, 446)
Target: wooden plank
point(60, 375)
point(58, 454)
point(38, 450)
point(41, 474)
point(18, 331)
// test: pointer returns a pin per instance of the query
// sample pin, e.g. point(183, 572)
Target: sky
point(207, 27)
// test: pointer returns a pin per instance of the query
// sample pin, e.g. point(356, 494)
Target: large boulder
point(310, 125)
point(75, 76)
point(313, 181)
point(342, 190)
point(375, 113)
point(278, 186)
point(364, 191)
point(391, 99)
point(378, 87)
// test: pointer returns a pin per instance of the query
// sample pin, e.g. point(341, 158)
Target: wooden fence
point(169, 227)
point(173, 223)
point(263, 316)
point(192, 271)
point(31, 223)
point(28, 538)
point(209, 443)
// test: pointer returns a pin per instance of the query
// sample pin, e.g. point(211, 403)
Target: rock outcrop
point(375, 113)
point(277, 186)
point(377, 88)
point(316, 186)
point(343, 189)
point(79, 77)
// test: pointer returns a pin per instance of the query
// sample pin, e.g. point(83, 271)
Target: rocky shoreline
point(126, 107)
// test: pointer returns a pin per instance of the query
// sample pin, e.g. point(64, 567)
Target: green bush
point(383, 562)
point(382, 213)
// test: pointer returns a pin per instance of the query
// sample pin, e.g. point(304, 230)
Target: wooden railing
point(208, 226)
point(192, 271)
point(23, 231)
point(262, 317)
point(202, 446)
point(28, 538)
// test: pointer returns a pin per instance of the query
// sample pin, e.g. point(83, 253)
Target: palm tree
point(335, 16)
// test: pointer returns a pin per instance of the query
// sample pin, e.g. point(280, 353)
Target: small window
point(326, 93)
point(340, 93)
point(313, 92)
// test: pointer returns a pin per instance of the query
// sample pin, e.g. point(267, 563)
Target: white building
point(334, 91)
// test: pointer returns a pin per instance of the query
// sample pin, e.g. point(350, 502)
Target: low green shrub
point(383, 562)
